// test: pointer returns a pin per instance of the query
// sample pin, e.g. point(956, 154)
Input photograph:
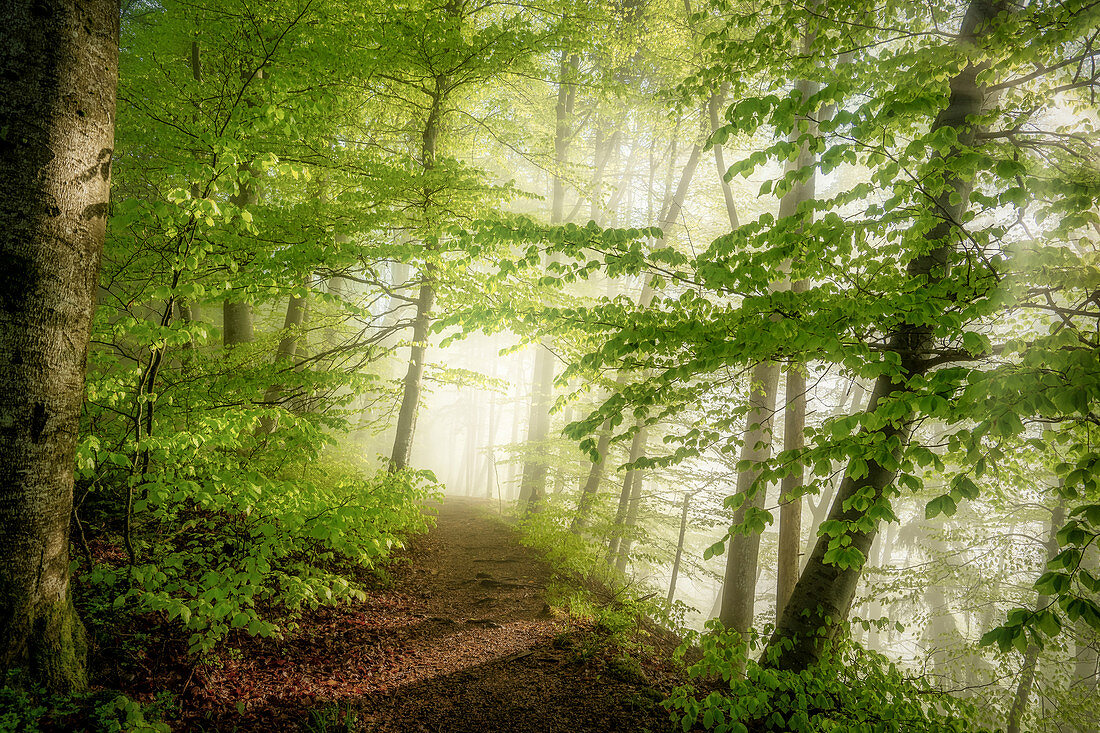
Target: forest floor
point(461, 638)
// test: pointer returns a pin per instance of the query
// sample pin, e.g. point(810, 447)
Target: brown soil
point(463, 640)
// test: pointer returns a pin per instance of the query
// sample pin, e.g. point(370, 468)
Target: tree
point(58, 69)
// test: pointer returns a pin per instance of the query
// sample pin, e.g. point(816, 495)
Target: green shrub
point(238, 551)
point(850, 690)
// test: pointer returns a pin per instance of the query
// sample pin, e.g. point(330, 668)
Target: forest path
point(463, 641)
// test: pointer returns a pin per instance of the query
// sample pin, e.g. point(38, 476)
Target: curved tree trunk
point(58, 67)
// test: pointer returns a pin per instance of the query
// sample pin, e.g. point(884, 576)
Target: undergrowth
point(851, 690)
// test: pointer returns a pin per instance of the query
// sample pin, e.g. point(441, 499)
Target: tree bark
point(627, 496)
point(743, 552)
point(716, 100)
point(425, 300)
point(58, 71)
point(414, 376)
point(790, 509)
point(592, 483)
point(824, 592)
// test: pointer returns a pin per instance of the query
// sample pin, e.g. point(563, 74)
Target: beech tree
point(58, 69)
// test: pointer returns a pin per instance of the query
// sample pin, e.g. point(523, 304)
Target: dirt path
point(463, 641)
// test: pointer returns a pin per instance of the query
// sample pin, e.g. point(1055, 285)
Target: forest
point(543, 365)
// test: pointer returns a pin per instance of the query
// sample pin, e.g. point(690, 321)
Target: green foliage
point(123, 715)
point(31, 709)
point(235, 555)
point(332, 719)
point(850, 689)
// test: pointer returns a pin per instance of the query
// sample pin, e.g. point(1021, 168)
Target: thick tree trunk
point(58, 67)
point(237, 321)
point(237, 327)
point(824, 592)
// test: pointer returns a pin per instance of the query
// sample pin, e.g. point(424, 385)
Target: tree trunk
point(823, 595)
point(743, 552)
point(533, 483)
point(717, 100)
point(284, 356)
point(58, 70)
point(626, 496)
point(1031, 655)
point(679, 550)
point(592, 483)
point(414, 376)
point(237, 326)
point(794, 423)
point(790, 509)
point(422, 321)
point(627, 540)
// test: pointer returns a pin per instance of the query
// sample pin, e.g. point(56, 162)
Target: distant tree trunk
point(627, 495)
point(876, 609)
point(237, 326)
point(679, 550)
point(284, 356)
point(669, 216)
point(1031, 654)
point(631, 523)
point(533, 483)
point(824, 592)
point(592, 483)
point(716, 101)
point(472, 428)
point(58, 70)
point(1085, 660)
point(490, 444)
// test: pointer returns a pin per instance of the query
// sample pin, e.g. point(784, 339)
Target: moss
point(58, 648)
point(627, 669)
